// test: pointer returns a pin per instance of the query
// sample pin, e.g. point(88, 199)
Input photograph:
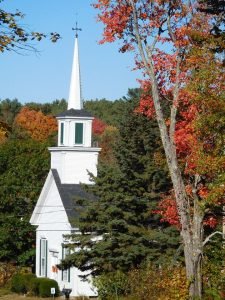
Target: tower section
point(74, 157)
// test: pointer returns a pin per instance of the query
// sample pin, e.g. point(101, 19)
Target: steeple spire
point(75, 100)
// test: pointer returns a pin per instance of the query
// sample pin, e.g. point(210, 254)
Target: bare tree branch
point(210, 236)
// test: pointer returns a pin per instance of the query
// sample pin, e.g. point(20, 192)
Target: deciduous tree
point(38, 126)
point(163, 34)
point(23, 168)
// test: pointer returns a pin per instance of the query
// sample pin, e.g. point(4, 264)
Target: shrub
point(18, 284)
point(21, 283)
point(7, 270)
point(158, 284)
point(42, 287)
point(110, 286)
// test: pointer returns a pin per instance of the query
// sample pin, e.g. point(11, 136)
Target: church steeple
point(74, 154)
point(75, 100)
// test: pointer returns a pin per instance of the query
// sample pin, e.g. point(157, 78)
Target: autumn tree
point(5, 129)
point(214, 7)
point(163, 34)
point(38, 126)
point(98, 126)
point(14, 36)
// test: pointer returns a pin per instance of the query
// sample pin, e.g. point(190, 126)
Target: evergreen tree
point(119, 230)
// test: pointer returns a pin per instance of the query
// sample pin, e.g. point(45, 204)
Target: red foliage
point(168, 210)
point(98, 126)
point(167, 43)
point(210, 221)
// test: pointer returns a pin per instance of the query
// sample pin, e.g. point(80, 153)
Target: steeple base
point(74, 163)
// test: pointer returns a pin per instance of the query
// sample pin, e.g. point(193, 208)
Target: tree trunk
point(191, 226)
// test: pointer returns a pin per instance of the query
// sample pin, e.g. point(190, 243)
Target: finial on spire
point(76, 29)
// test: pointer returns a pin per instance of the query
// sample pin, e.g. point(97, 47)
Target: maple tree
point(38, 126)
point(172, 55)
point(98, 126)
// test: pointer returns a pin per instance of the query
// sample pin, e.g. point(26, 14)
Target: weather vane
point(76, 29)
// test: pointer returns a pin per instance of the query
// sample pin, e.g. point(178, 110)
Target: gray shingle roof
point(75, 113)
point(69, 193)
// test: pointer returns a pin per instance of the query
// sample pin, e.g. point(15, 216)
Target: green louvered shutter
point(79, 133)
point(69, 275)
point(61, 133)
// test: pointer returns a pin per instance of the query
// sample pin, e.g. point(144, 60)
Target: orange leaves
point(36, 124)
point(164, 283)
point(115, 18)
point(4, 131)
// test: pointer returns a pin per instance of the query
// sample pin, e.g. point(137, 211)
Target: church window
point(65, 272)
point(61, 133)
point(43, 257)
point(79, 133)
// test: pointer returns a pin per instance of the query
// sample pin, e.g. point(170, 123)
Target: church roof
point(75, 113)
point(69, 193)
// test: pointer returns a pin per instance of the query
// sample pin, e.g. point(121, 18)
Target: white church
point(71, 160)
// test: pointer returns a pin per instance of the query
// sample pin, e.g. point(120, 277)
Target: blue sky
point(105, 72)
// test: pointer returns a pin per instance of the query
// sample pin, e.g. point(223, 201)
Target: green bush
point(111, 286)
point(21, 283)
point(42, 287)
point(29, 283)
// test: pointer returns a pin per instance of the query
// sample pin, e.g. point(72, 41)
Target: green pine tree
point(119, 230)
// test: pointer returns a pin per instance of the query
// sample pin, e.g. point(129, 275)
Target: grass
point(6, 294)
point(20, 297)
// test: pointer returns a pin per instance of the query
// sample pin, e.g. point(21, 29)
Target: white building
point(71, 160)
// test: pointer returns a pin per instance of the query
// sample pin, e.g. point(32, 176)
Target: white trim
point(74, 117)
point(77, 148)
point(41, 199)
